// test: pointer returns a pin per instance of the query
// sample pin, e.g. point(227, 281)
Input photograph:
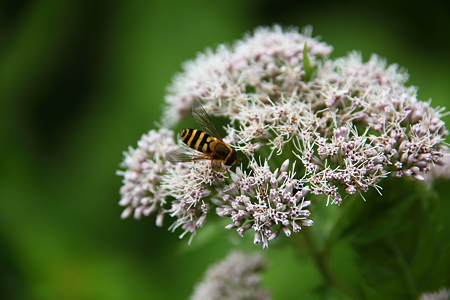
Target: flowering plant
point(320, 140)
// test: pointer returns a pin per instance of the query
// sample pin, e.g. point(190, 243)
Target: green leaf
point(309, 69)
point(398, 246)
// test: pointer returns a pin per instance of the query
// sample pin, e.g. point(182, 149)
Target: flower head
point(442, 294)
point(306, 126)
point(268, 202)
point(144, 166)
point(236, 277)
point(264, 65)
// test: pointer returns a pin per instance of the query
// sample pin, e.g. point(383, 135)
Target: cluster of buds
point(265, 201)
point(142, 193)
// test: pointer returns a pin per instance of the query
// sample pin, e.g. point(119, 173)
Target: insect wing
point(203, 120)
point(181, 154)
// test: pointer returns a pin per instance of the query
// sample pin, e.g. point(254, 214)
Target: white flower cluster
point(442, 294)
point(350, 125)
point(142, 193)
point(236, 277)
point(264, 66)
point(149, 181)
point(190, 185)
point(265, 201)
point(339, 125)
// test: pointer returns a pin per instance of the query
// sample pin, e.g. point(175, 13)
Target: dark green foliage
point(397, 241)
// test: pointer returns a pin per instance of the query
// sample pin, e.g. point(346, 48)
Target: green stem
point(405, 270)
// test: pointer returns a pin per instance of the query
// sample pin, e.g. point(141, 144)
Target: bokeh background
point(80, 81)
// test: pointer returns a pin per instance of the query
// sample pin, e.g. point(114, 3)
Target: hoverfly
point(208, 142)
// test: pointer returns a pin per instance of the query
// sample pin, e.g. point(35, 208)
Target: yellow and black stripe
point(198, 140)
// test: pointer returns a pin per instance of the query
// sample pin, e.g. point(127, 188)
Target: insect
point(208, 142)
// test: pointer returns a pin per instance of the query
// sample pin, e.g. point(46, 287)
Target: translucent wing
point(182, 154)
point(203, 120)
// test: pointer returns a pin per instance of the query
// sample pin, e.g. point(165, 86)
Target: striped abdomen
point(198, 140)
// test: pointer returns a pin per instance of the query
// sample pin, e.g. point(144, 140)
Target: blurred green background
point(80, 81)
